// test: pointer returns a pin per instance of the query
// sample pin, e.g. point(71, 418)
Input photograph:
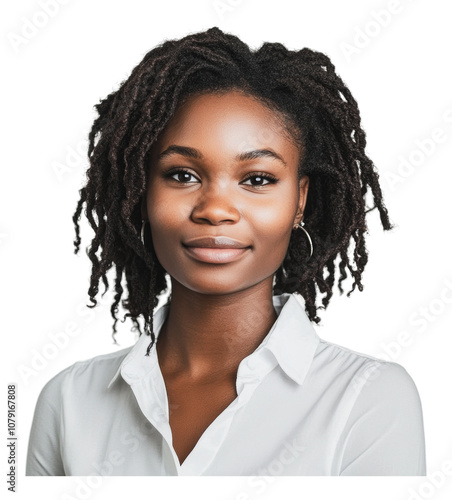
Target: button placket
point(150, 393)
point(250, 374)
point(208, 445)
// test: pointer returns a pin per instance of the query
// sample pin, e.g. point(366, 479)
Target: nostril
point(217, 212)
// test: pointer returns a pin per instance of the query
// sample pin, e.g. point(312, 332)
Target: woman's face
point(223, 168)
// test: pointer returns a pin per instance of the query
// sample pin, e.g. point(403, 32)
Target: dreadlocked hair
point(319, 112)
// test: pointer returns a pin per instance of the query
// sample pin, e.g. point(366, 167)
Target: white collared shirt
point(304, 407)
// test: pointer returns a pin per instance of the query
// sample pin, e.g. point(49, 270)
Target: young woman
point(242, 175)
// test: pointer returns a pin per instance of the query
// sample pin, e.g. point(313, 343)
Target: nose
point(215, 205)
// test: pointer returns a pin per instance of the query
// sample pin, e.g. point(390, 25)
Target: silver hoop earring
point(142, 231)
point(300, 225)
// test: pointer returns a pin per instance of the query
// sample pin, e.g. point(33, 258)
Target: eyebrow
point(194, 153)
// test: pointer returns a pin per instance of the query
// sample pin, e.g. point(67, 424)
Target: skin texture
point(219, 313)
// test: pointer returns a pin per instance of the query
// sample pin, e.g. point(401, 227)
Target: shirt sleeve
point(384, 435)
point(44, 457)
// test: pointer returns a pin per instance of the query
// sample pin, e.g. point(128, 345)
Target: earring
point(300, 225)
point(142, 231)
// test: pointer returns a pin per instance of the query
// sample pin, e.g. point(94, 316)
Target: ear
point(303, 196)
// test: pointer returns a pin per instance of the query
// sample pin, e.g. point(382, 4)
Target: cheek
point(273, 224)
point(163, 210)
point(165, 225)
point(165, 221)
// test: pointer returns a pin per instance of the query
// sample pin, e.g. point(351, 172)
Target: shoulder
point(380, 421)
point(96, 371)
point(369, 380)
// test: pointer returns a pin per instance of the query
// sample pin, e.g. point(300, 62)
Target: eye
point(257, 179)
point(261, 179)
point(182, 174)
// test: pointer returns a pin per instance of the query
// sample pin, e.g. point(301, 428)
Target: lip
point(214, 242)
point(215, 250)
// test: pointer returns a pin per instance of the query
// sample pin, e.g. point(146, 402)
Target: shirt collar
point(292, 340)
point(136, 363)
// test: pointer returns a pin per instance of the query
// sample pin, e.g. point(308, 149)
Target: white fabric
point(304, 407)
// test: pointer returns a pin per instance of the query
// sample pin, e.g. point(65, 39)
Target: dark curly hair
point(321, 115)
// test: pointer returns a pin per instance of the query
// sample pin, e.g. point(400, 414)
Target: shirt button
point(251, 363)
point(159, 415)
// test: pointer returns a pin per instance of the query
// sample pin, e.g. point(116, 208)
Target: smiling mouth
point(215, 255)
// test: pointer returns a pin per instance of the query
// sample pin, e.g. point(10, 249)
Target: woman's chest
point(192, 408)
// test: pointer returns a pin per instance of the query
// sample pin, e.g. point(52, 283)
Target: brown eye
point(261, 179)
point(180, 175)
point(258, 180)
point(183, 176)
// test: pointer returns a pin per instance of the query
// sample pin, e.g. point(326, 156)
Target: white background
point(395, 57)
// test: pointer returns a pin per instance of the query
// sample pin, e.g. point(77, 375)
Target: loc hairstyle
point(318, 110)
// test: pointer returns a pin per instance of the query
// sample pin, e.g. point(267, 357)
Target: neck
point(205, 336)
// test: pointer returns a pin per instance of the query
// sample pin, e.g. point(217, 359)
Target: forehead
point(231, 121)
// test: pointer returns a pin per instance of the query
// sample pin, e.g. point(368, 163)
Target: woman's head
point(223, 168)
point(291, 100)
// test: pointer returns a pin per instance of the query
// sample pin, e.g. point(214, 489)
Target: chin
point(212, 285)
point(215, 288)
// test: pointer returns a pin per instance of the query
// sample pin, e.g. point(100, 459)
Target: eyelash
point(263, 175)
